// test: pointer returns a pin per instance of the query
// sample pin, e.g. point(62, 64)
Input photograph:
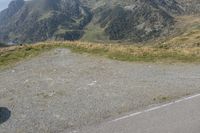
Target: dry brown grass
point(121, 52)
point(188, 36)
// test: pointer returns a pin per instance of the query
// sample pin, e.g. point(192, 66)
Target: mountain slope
point(43, 19)
point(127, 20)
point(134, 20)
point(190, 6)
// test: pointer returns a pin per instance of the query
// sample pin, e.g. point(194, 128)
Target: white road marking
point(155, 108)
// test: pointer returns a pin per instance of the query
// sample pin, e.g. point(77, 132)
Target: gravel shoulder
point(60, 90)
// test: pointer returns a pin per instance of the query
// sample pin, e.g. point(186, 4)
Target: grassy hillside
point(183, 47)
point(94, 33)
point(11, 55)
point(187, 36)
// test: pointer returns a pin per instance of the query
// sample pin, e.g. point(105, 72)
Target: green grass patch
point(12, 56)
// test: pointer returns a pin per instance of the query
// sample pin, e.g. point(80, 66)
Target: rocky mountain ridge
point(127, 20)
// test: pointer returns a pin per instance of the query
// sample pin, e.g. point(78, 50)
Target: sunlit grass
point(11, 55)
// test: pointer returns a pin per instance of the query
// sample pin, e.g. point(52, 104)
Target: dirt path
point(60, 90)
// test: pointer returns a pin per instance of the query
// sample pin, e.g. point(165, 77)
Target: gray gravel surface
point(60, 91)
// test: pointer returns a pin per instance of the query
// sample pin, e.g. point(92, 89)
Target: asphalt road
point(182, 116)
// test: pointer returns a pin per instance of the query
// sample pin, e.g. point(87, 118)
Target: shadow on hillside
point(5, 114)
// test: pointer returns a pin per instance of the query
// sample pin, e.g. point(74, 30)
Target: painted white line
point(151, 109)
point(127, 116)
point(155, 108)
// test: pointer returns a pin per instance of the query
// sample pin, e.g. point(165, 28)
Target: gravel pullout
point(60, 91)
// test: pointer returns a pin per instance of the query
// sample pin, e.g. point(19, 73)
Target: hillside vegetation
point(170, 29)
point(11, 55)
point(183, 47)
point(189, 35)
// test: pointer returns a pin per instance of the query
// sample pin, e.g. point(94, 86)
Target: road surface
point(64, 91)
point(182, 116)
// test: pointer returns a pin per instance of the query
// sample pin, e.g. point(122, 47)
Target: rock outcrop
point(127, 20)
